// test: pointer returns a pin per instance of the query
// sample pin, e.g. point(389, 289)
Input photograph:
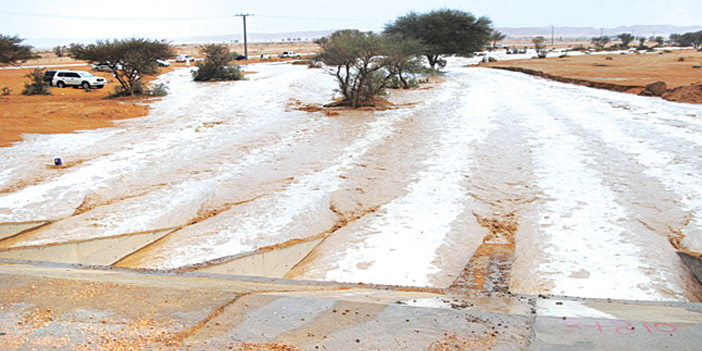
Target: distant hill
point(587, 32)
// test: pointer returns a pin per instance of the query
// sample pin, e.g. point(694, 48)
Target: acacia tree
point(600, 42)
point(403, 57)
point(444, 32)
point(693, 39)
point(626, 39)
point(360, 64)
point(129, 59)
point(496, 36)
point(11, 52)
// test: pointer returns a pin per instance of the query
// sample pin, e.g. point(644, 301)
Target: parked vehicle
point(183, 58)
point(86, 80)
point(289, 54)
point(163, 63)
point(49, 75)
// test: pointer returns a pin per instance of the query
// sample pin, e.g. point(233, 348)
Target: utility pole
point(552, 30)
point(246, 43)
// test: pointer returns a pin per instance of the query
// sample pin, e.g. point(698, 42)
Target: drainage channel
point(98, 251)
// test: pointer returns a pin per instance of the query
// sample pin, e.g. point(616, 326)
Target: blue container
point(57, 162)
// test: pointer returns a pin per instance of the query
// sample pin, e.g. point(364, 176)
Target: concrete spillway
point(10, 230)
point(99, 251)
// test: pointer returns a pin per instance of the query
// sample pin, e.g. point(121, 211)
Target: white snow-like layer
point(168, 145)
point(589, 241)
point(399, 245)
point(292, 213)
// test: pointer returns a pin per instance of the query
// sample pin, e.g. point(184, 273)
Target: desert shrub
point(158, 89)
point(563, 56)
point(215, 67)
point(668, 51)
point(138, 89)
point(208, 71)
point(6, 91)
point(681, 59)
point(300, 62)
point(578, 48)
point(492, 59)
point(36, 85)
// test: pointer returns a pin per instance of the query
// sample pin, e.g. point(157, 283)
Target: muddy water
point(490, 180)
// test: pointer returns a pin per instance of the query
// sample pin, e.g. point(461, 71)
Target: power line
point(192, 18)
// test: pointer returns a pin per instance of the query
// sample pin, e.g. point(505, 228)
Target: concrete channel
point(11, 230)
point(99, 251)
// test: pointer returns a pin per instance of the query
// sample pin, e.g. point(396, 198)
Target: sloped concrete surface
point(8, 230)
point(98, 251)
point(64, 307)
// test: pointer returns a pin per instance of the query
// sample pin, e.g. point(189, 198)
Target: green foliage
point(6, 91)
point(208, 71)
point(12, 53)
point(495, 36)
point(129, 59)
point(215, 67)
point(60, 51)
point(444, 32)
point(492, 59)
point(358, 61)
point(36, 85)
point(577, 48)
point(157, 90)
point(600, 42)
point(693, 39)
point(625, 39)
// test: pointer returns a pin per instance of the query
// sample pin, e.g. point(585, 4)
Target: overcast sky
point(178, 18)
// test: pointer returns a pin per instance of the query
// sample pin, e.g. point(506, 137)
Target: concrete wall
point(100, 251)
point(8, 230)
point(695, 264)
point(273, 264)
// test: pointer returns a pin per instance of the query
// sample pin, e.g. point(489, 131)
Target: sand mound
point(691, 93)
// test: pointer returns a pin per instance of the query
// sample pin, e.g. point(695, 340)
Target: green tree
point(625, 39)
point(496, 36)
point(358, 61)
point(216, 63)
point(660, 41)
point(12, 53)
point(404, 56)
point(444, 32)
point(60, 50)
point(600, 42)
point(693, 39)
point(129, 59)
point(36, 85)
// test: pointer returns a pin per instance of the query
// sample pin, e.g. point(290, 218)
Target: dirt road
point(550, 188)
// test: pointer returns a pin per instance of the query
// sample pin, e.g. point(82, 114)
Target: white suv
point(83, 79)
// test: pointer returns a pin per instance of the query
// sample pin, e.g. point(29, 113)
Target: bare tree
point(540, 46)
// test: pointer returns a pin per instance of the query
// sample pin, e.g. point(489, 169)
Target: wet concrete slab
point(66, 307)
point(563, 324)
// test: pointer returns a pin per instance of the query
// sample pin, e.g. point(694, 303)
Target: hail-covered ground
point(597, 187)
